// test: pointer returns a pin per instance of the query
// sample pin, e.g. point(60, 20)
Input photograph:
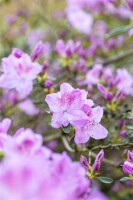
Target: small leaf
point(66, 129)
point(119, 30)
point(130, 127)
point(105, 180)
point(125, 179)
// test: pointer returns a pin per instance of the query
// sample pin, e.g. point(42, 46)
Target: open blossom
point(19, 72)
point(31, 171)
point(71, 106)
point(28, 107)
point(93, 128)
point(79, 19)
point(66, 106)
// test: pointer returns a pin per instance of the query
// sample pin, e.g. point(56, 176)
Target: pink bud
point(128, 168)
point(103, 91)
point(130, 156)
point(130, 4)
point(97, 164)
point(84, 162)
point(17, 52)
point(123, 133)
point(48, 84)
point(37, 51)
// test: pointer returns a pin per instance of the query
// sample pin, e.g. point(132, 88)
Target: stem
point(113, 146)
point(114, 58)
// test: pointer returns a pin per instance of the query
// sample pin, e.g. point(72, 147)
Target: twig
point(114, 58)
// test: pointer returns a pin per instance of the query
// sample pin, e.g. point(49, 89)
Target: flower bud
point(128, 168)
point(130, 156)
point(123, 133)
point(48, 84)
point(107, 95)
point(84, 162)
point(17, 52)
point(97, 164)
point(130, 4)
point(37, 51)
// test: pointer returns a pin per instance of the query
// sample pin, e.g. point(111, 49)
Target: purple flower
point(19, 72)
point(84, 162)
point(130, 156)
point(66, 106)
point(103, 91)
point(97, 164)
point(123, 133)
point(93, 128)
point(79, 19)
point(37, 52)
point(130, 4)
point(128, 168)
point(28, 107)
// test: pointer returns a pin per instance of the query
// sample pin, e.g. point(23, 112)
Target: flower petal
point(98, 132)
point(97, 113)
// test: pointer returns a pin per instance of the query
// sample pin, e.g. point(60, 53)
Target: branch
point(114, 58)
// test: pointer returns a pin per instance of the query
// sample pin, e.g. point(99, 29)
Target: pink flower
point(92, 77)
point(93, 128)
point(80, 20)
point(19, 72)
point(5, 125)
point(66, 106)
point(28, 107)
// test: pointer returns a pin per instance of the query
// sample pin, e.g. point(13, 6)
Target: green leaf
point(66, 129)
point(125, 179)
point(105, 180)
point(130, 127)
point(119, 31)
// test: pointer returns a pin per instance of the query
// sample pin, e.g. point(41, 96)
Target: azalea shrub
point(66, 100)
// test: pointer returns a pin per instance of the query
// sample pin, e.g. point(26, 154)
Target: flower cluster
point(20, 72)
point(71, 106)
point(29, 170)
point(93, 170)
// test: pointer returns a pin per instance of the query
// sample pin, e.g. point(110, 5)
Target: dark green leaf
point(119, 30)
point(66, 129)
point(124, 179)
point(105, 180)
point(129, 127)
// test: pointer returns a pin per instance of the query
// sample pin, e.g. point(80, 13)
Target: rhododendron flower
point(28, 107)
point(5, 125)
point(66, 106)
point(124, 81)
point(68, 49)
point(96, 194)
point(80, 20)
point(19, 72)
point(39, 173)
point(93, 128)
point(92, 77)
